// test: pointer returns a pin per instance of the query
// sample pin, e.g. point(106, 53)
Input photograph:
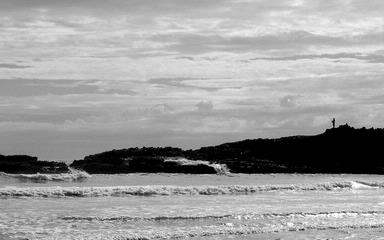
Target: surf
point(73, 175)
point(171, 190)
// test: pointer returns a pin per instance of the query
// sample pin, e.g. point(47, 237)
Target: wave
point(219, 168)
point(249, 216)
point(156, 219)
point(169, 190)
point(216, 226)
point(74, 175)
point(226, 229)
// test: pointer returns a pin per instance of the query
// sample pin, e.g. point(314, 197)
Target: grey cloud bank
point(13, 66)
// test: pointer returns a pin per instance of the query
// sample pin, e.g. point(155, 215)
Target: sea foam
point(168, 190)
point(224, 230)
point(248, 216)
point(219, 168)
point(74, 175)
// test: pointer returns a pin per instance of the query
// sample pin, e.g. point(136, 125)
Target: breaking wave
point(74, 175)
point(169, 190)
point(226, 229)
point(219, 168)
point(250, 216)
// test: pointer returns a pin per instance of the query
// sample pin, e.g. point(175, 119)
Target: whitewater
point(77, 205)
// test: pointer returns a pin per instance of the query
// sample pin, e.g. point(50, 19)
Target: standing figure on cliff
point(333, 122)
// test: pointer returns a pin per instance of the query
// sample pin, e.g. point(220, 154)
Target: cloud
point(371, 58)
point(204, 106)
point(13, 66)
point(146, 8)
point(33, 114)
point(352, 83)
point(34, 87)
point(179, 83)
point(288, 101)
point(160, 109)
point(186, 58)
point(38, 87)
point(192, 43)
point(118, 91)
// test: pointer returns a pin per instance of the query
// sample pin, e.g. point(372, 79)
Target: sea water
point(182, 206)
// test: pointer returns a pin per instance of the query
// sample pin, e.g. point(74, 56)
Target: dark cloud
point(38, 87)
point(178, 82)
point(118, 91)
point(13, 66)
point(160, 109)
point(186, 58)
point(204, 106)
point(371, 58)
point(111, 7)
point(191, 43)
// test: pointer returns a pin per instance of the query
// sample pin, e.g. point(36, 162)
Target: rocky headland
point(338, 150)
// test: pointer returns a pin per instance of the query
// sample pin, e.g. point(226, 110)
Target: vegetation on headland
point(338, 150)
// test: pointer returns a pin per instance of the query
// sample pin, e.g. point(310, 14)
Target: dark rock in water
point(30, 165)
point(338, 150)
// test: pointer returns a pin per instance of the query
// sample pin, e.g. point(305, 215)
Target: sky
point(83, 76)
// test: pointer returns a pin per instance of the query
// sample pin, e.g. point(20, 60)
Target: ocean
point(183, 206)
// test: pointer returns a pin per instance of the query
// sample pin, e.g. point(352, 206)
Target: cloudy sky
point(84, 76)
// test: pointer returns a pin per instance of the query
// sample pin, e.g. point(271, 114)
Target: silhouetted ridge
point(30, 165)
point(149, 160)
point(338, 150)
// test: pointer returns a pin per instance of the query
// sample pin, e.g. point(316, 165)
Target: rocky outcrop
point(146, 160)
point(338, 150)
point(30, 165)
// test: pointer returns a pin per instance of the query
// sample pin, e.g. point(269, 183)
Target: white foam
point(359, 185)
point(166, 190)
point(74, 175)
point(225, 229)
point(248, 216)
point(219, 168)
point(233, 226)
